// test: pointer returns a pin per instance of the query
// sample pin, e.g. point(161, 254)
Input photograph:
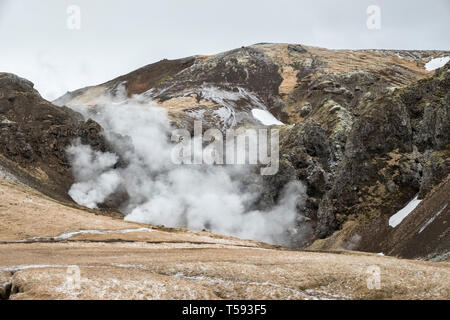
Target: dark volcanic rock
point(394, 151)
point(34, 135)
point(369, 164)
point(245, 67)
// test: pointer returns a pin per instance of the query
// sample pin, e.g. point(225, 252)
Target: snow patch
point(196, 114)
point(436, 63)
point(230, 102)
point(8, 176)
point(75, 233)
point(265, 117)
point(32, 266)
point(432, 219)
point(397, 218)
point(224, 114)
point(72, 234)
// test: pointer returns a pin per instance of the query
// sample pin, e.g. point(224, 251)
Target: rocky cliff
point(396, 149)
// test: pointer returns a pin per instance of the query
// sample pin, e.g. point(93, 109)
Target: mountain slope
point(34, 135)
point(223, 89)
point(366, 130)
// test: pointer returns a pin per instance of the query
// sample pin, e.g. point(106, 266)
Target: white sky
point(118, 36)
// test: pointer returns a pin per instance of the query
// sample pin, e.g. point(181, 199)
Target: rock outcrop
point(34, 135)
point(390, 154)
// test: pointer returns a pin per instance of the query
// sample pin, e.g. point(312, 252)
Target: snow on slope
point(234, 103)
point(432, 218)
point(4, 174)
point(68, 235)
point(265, 117)
point(397, 218)
point(436, 63)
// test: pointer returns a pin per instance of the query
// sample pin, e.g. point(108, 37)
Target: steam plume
point(162, 193)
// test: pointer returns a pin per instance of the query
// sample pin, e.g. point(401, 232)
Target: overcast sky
point(118, 36)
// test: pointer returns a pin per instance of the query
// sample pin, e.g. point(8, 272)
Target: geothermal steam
point(161, 193)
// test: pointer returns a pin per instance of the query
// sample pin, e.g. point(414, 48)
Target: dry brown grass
point(182, 264)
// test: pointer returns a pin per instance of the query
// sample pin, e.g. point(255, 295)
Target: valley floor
point(52, 251)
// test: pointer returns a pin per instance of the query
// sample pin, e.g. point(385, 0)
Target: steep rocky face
point(34, 135)
point(366, 130)
point(397, 148)
point(392, 144)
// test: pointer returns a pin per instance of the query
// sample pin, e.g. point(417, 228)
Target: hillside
point(281, 78)
point(364, 130)
point(87, 185)
point(34, 137)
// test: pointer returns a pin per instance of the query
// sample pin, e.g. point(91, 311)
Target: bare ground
point(115, 261)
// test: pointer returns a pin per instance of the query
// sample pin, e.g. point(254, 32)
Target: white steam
point(161, 193)
point(96, 179)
